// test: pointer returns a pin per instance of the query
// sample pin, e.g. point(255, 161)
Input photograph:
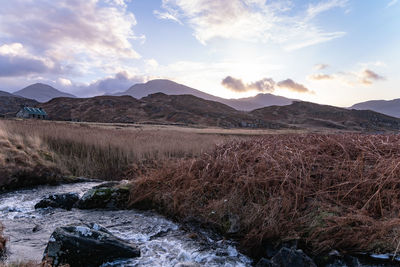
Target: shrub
point(328, 191)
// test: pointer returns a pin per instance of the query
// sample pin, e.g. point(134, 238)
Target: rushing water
point(162, 242)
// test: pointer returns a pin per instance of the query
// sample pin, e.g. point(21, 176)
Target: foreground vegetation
point(327, 191)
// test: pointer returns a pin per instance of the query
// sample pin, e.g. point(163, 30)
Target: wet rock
point(289, 257)
point(233, 221)
point(104, 198)
point(106, 184)
point(263, 262)
point(62, 201)
point(86, 245)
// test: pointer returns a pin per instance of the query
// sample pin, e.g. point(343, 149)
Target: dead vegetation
point(111, 153)
point(2, 240)
point(24, 160)
point(328, 191)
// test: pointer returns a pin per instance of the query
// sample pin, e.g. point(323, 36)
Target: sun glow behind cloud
point(102, 46)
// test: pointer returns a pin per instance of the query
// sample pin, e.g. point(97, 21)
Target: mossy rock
point(104, 198)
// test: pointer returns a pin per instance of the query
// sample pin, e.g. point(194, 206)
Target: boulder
point(290, 257)
point(104, 198)
point(86, 245)
point(62, 201)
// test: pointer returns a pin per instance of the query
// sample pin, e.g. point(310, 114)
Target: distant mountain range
point(160, 108)
point(172, 88)
point(388, 107)
point(41, 92)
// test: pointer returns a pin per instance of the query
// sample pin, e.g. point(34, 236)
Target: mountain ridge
point(388, 107)
point(41, 92)
point(169, 87)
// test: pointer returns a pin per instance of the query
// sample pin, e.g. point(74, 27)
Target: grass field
point(328, 191)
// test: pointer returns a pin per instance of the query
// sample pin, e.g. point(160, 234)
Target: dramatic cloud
point(367, 77)
point(252, 20)
point(293, 86)
point(88, 33)
point(16, 61)
point(266, 85)
point(321, 66)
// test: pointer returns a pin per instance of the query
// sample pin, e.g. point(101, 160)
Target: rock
point(234, 224)
point(289, 257)
point(62, 201)
point(104, 198)
point(263, 262)
point(106, 184)
point(86, 245)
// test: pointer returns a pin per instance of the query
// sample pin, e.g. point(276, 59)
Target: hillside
point(41, 92)
point(3, 93)
point(190, 110)
point(388, 107)
point(306, 115)
point(155, 108)
point(168, 87)
point(11, 104)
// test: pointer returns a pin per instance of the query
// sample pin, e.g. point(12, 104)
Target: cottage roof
point(35, 111)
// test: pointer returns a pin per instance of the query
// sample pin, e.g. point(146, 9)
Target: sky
point(337, 52)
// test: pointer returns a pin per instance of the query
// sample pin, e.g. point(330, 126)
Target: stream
point(161, 241)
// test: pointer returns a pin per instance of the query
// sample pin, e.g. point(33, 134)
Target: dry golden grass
point(329, 191)
point(109, 151)
point(24, 160)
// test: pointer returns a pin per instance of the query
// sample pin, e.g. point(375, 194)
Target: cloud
point(84, 34)
point(121, 81)
point(315, 9)
point(392, 3)
point(320, 66)
point(320, 76)
point(367, 77)
point(265, 85)
point(352, 78)
point(237, 85)
point(293, 86)
point(263, 21)
point(15, 60)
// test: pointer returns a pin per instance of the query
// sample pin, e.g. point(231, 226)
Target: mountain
point(10, 105)
point(3, 93)
point(168, 87)
point(41, 92)
point(388, 107)
point(160, 108)
point(311, 115)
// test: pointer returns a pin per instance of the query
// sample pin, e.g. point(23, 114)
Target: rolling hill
point(155, 108)
point(9, 105)
point(41, 92)
point(311, 115)
point(160, 108)
point(388, 107)
point(3, 93)
point(168, 87)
